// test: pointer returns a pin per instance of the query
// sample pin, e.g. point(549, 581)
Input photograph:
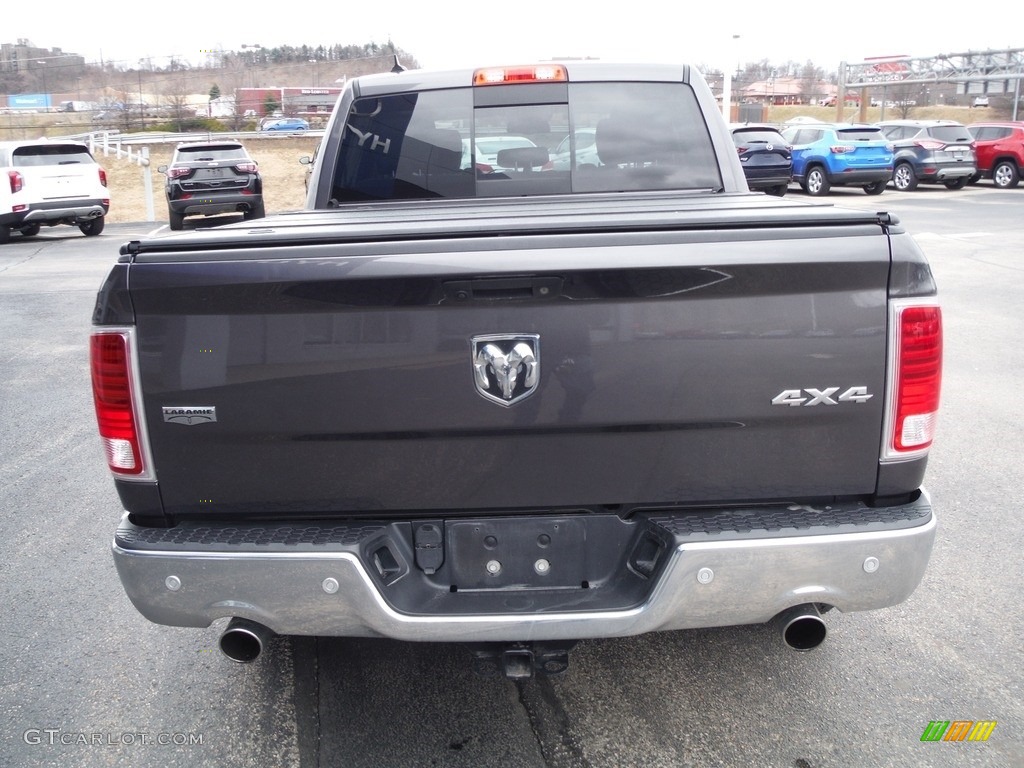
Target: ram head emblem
point(506, 367)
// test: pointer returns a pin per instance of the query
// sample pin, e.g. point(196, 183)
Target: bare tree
point(176, 97)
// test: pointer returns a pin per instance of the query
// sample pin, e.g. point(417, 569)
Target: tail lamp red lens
point(17, 181)
point(110, 361)
point(917, 379)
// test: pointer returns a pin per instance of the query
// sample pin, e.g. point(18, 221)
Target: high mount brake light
point(538, 73)
point(117, 411)
point(916, 379)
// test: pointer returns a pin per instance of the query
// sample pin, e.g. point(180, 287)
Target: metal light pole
point(46, 89)
point(727, 83)
point(252, 76)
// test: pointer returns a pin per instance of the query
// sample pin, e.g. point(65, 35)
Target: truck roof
point(425, 79)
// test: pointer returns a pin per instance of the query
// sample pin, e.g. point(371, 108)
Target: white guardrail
point(134, 147)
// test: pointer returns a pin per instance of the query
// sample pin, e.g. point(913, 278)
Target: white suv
point(49, 182)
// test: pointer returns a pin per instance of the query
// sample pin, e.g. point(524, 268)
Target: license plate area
point(517, 553)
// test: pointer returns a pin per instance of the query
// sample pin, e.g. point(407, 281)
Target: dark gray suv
point(212, 177)
point(930, 151)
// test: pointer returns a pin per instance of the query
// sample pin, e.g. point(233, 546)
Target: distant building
point(787, 90)
point(291, 101)
point(23, 56)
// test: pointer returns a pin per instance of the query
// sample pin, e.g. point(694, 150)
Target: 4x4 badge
point(506, 367)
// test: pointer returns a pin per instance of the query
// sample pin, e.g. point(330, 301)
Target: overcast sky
point(441, 33)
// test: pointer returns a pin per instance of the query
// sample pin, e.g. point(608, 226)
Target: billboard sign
point(28, 101)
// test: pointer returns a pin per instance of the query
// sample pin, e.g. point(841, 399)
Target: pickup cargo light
point(916, 337)
point(539, 73)
point(113, 396)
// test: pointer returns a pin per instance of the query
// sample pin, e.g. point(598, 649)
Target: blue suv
point(829, 155)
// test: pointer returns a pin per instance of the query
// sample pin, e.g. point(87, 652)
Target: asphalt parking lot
point(86, 681)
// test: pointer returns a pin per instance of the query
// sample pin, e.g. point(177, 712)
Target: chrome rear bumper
point(705, 580)
point(85, 212)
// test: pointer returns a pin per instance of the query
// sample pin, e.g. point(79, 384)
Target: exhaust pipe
point(243, 640)
point(802, 627)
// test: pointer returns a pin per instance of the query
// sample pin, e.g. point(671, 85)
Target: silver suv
point(930, 151)
point(46, 183)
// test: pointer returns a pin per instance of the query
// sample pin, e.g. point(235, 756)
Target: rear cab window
point(50, 154)
point(745, 136)
point(861, 133)
point(951, 134)
point(209, 154)
point(500, 140)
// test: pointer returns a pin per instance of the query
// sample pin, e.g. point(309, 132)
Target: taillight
point(103, 177)
point(932, 146)
point(916, 378)
point(246, 167)
point(177, 173)
point(842, 149)
point(120, 425)
point(17, 181)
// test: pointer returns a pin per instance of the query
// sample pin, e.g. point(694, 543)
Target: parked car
point(287, 124)
point(46, 183)
point(766, 158)
point(930, 151)
point(586, 150)
point(827, 155)
point(214, 177)
point(981, 101)
point(999, 152)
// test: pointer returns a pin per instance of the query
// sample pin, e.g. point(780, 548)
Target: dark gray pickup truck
point(512, 402)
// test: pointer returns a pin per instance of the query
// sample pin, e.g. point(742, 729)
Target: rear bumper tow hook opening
point(518, 661)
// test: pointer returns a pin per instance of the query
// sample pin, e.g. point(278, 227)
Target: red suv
point(1000, 151)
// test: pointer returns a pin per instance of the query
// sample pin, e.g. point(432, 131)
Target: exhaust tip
point(243, 640)
point(803, 629)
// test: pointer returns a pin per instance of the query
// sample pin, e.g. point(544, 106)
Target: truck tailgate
point(721, 364)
